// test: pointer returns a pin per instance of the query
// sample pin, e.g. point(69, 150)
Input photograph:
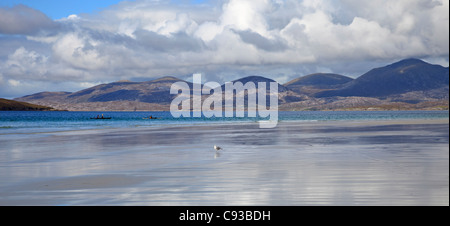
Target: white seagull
point(217, 148)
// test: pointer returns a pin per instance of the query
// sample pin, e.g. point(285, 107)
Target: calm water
point(310, 158)
point(41, 121)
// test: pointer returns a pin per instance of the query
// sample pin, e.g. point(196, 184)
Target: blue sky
point(57, 9)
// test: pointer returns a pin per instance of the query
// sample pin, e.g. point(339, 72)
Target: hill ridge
point(410, 81)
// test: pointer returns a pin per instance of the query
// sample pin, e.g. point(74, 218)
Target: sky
point(50, 45)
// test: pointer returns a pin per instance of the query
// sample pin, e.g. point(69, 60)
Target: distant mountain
point(285, 95)
point(156, 91)
point(11, 105)
point(323, 80)
point(257, 79)
point(151, 92)
point(314, 83)
point(44, 95)
point(407, 84)
point(404, 76)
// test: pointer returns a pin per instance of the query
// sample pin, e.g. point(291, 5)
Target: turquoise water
point(43, 121)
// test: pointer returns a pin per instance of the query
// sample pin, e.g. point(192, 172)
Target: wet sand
point(296, 163)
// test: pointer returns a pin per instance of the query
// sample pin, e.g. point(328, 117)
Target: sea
point(341, 158)
point(16, 122)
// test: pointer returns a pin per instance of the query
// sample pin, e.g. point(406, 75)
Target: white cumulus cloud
point(223, 39)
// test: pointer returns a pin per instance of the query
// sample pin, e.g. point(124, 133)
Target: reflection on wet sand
point(332, 163)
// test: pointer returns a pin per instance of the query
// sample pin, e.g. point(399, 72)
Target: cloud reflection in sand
point(293, 164)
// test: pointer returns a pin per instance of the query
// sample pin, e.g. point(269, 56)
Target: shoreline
point(359, 162)
point(193, 125)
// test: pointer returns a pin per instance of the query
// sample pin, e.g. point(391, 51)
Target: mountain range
point(405, 76)
point(407, 84)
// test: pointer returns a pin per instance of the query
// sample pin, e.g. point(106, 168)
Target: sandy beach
point(402, 162)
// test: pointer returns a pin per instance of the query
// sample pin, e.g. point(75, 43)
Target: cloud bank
point(223, 39)
point(21, 19)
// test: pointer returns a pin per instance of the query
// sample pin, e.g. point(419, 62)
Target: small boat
point(101, 118)
point(151, 118)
